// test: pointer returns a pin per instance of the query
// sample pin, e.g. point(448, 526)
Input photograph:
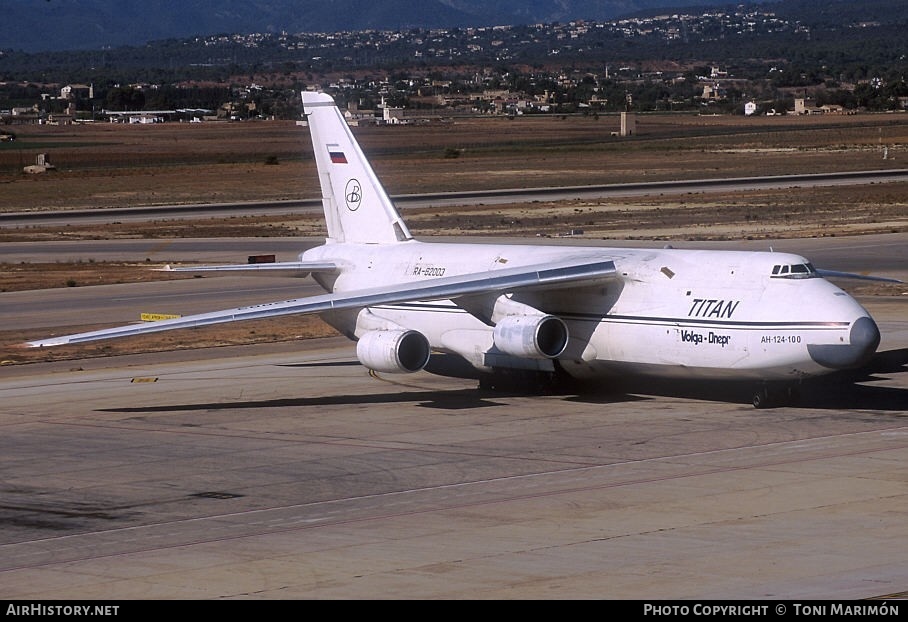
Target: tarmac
point(288, 471)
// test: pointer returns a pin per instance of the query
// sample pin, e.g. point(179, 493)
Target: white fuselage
point(670, 312)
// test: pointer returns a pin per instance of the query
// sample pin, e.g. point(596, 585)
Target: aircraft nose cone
point(863, 341)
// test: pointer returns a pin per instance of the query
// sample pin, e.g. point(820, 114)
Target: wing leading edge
point(577, 273)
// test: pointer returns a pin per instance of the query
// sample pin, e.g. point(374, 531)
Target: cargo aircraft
point(543, 312)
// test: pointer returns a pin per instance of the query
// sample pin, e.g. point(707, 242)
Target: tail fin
point(357, 209)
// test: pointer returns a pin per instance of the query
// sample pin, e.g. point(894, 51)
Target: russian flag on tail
point(336, 154)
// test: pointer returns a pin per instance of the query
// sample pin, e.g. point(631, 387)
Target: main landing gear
point(521, 381)
point(771, 396)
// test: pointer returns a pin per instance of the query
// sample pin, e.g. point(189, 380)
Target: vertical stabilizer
point(357, 208)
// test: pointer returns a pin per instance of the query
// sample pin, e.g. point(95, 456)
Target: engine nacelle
point(393, 351)
point(531, 336)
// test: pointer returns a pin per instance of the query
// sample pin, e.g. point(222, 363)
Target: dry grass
point(121, 165)
point(239, 333)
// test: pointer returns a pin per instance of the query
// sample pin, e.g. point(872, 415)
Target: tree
point(125, 98)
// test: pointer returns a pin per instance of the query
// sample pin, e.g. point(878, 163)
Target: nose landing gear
point(771, 396)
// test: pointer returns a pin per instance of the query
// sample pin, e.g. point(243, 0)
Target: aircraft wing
point(578, 272)
point(833, 274)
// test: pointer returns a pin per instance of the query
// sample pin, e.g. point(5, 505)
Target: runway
point(286, 470)
point(448, 199)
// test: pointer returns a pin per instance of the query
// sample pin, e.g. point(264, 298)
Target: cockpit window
point(794, 271)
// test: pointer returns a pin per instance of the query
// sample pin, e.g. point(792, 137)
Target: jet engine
point(531, 336)
point(393, 351)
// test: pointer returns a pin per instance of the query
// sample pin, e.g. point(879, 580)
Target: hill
point(55, 25)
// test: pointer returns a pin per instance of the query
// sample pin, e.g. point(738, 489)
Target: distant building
point(806, 105)
point(713, 92)
point(716, 73)
point(42, 165)
point(24, 116)
point(77, 91)
point(393, 116)
point(141, 116)
point(628, 124)
point(145, 119)
point(22, 110)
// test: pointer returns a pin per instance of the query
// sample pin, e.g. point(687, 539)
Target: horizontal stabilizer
point(302, 267)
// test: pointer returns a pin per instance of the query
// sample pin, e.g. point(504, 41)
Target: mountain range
point(55, 25)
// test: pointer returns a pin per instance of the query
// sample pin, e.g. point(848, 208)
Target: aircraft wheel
point(487, 382)
point(761, 398)
point(519, 381)
point(769, 397)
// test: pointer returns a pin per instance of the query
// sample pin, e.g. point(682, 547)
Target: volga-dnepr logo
point(353, 195)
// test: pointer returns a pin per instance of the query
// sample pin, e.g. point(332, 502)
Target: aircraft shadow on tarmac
point(854, 389)
point(457, 399)
point(844, 390)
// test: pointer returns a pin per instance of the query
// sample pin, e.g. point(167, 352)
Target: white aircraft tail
point(357, 208)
